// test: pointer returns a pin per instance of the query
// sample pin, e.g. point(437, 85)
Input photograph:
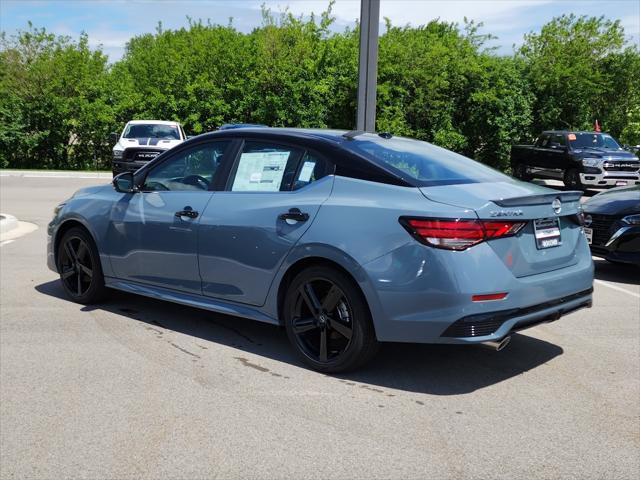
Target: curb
point(7, 223)
point(54, 174)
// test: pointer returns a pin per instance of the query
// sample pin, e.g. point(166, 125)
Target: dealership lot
point(141, 388)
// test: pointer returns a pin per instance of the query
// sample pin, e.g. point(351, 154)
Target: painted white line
point(6, 242)
point(615, 287)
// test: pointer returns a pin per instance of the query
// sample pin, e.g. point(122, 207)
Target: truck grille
point(602, 228)
point(621, 166)
point(140, 154)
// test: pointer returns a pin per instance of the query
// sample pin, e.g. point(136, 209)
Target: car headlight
point(117, 154)
point(632, 219)
point(590, 162)
point(57, 209)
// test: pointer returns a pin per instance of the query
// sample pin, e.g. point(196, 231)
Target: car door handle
point(294, 214)
point(187, 212)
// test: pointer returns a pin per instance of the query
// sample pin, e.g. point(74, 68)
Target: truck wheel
point(520, 172)
point(572, 180)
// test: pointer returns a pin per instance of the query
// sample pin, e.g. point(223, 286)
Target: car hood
point(605, 153)
point(155, 143)
point(87, 191)
point(618, 201)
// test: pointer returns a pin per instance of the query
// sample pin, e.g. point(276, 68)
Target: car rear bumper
point(609, 179)
point(421, 294)
point(498, 324)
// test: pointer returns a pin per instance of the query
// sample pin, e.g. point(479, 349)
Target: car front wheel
point(79, 267)
point(328, 321)
point(572, 180)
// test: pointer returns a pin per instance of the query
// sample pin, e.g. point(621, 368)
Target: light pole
point(368, 65)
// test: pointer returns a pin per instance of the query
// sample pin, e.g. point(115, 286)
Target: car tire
point(78, 264)
point(572, 180)
point(520, 172)
point(328, 321)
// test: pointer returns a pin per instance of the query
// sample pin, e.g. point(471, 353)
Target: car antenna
point(385, 135)
point(352, 134)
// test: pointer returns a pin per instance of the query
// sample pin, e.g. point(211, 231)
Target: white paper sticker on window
point(260, 171)
point(306, 171)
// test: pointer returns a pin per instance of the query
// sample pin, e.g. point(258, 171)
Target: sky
point(111, 23)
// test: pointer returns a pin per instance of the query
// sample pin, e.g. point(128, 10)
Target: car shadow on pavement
point(429, 369)
point(616, 272)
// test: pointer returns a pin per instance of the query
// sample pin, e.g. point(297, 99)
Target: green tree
point(53, 112)
point(577, 67)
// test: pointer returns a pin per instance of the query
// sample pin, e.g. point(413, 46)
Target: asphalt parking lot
point(138, 388)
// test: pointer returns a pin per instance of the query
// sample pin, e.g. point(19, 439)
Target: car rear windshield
point(151, 130)
point(597, 140)
point(422, 163)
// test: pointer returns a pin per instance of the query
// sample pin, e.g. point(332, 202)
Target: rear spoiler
point(542, 199)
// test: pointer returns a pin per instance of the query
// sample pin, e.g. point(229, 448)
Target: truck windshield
point(150, 130)
point(425, 164)
point(596, 140)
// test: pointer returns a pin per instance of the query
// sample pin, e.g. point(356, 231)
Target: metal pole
point(368, 66)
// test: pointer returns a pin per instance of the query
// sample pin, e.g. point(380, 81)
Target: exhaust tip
point(499, 344)
point(503, 343)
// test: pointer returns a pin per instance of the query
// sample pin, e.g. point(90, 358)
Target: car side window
point(312, 168)
point(543, 141)
point(559, 139)
point(192, 169)
point(265, 167)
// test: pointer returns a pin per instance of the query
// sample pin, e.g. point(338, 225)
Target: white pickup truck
point(143, 140)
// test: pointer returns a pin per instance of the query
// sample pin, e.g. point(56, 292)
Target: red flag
point(596, 127)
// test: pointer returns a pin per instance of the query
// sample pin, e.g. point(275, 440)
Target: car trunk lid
point(525, 253)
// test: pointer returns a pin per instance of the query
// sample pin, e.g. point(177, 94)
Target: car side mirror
point(113, 136)
point(123, 183)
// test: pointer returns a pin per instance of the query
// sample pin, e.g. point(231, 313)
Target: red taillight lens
point(458, 234)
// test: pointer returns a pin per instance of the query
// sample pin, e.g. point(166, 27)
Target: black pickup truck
point(580, 159)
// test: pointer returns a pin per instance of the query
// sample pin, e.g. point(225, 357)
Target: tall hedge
point(59, 98)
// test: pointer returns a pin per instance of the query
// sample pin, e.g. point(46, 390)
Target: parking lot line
point(615, 287)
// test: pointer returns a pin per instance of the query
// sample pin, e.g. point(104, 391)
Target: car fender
point(93, 215)
point(325, 252)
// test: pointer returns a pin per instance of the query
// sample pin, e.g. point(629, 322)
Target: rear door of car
point(272, 196)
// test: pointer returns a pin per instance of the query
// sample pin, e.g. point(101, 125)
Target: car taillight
point(458, 234)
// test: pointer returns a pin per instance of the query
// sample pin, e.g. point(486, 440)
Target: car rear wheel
point(328, 321)
point(79, 267)
point(572, 180)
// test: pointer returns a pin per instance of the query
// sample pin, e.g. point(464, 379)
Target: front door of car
point(557, 153)
point(154, 232)
point(272, 196)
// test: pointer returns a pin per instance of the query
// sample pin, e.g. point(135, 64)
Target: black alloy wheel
point(79, 267)
point(327, 320)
